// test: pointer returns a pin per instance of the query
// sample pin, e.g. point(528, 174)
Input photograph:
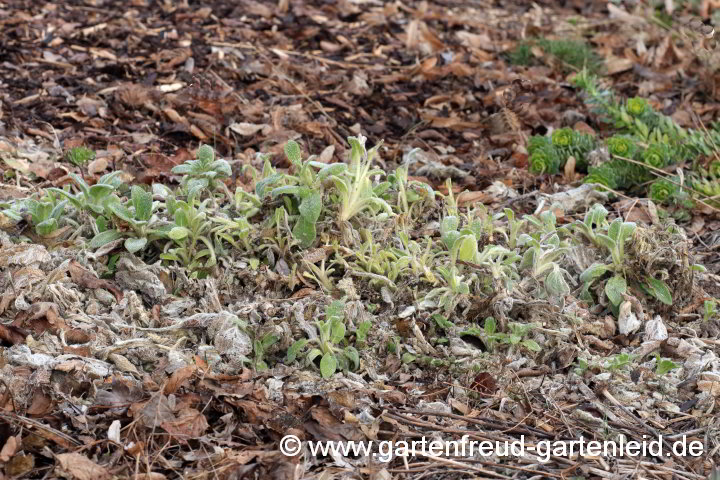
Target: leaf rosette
point(562, 137)
point(656, 155)
point(637, 106)
point(544, 160)
point(662, 191)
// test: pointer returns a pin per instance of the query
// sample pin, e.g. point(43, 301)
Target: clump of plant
point(46, 213)
point(302, 192)
point(612, 238)
point(134, 220)
point(350, 189)
point(190, 234)
point(91, 199)
point(467, 261)
point(381, 265)
point(205, 172)
point(516, 337)
point(328, 345)
point(709, 190)
point(260, 347)
point(541, 260)
point(521, 54)
point(355, 190)
point(710, 309)
point(569, 54)
point(664, 366)
point(667, 191)
point(409, 192)
point(613, 276)
point(80, 156)
point(619, 362)
point(549, 154)
point(645, 143)
point(620, 173)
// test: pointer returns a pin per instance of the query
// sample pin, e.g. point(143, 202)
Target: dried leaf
point(189, 423)
point(87, 279)
point(11, 335)
point(80, 467)
point(246, 129)
point(178, 377)
point(9, 449)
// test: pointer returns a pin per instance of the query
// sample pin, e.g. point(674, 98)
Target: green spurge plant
point(714, 169)
point(651, 139)
point(326, 347)
point(709, 189)
point(663, 191)
point(549, 154)
point(657, 155)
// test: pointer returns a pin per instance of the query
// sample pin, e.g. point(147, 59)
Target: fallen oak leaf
point(12, 335)
point(178, 378)
point(81, 468)
point(41, 316)
point(85, 278)
point(9, 449)
point(190, 423)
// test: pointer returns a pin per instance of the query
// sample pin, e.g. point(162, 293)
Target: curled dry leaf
point(23, 255)
point(189, 423)
point(85, 278)
point(11, 335)
point(484, 384)
point(9, 449)
point(79, 467)
point(177, 378)
point(41, 316)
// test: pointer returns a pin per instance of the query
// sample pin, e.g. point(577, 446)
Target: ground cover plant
point(213, 243)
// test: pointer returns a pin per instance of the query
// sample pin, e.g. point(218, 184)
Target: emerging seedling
point(327, 346)
point(46, 213)
point(135, 221)
point(190, 234)
point(91, 199)
point(204, 172)
point(304, 190)
point(355, 189)
point(80, 156)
